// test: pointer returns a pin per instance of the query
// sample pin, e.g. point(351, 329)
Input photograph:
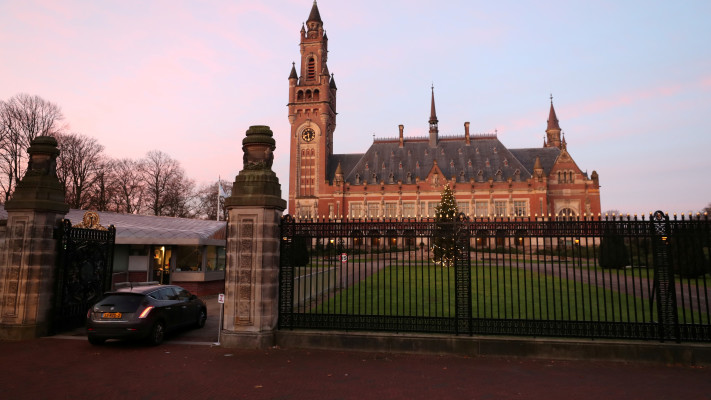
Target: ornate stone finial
point(40, 188)
point(258, 148)
point(257, 184)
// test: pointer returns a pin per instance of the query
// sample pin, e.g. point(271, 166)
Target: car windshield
point(122, 301)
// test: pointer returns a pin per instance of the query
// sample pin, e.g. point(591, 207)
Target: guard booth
point(84, 269)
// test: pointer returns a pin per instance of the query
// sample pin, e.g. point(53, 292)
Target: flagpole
point(218, 197)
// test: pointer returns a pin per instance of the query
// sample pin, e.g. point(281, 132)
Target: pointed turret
point(553, 130)
point(434, 129)
point(293, 75)
point(332, 84)
point(314, 16)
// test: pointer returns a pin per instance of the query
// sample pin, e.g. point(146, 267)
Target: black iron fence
point(597, 278)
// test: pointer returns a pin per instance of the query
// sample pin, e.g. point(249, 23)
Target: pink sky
point(630, 80)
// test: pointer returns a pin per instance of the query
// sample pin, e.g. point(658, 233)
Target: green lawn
point(414, 289)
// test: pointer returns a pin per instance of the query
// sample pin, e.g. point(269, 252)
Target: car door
point(188, 308)
point(168, 303)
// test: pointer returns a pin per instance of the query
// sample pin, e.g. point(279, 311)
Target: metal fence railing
point(598, 278)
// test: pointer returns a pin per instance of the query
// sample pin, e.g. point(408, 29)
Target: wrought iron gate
point(84, 269)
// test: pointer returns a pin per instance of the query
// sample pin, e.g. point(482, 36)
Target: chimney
point(467, 139)
point(402, 128)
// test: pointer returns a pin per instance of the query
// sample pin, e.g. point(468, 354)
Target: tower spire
point(434, 129)
point(553, 130)
point(314, 15)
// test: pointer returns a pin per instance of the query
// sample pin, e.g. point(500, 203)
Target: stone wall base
point(497, 346)
point(247, 340)
point(22, 332)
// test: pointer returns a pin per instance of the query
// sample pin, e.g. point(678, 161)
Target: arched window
point(311, 69)
point(308, 95)
point(300, 95)
point(567, 214)
point(316, 95)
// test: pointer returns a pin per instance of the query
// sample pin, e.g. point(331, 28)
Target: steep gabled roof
point(385, 161)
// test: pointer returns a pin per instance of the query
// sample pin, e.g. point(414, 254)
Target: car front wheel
point(157, 333)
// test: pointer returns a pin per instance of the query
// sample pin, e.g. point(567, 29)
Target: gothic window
point(311, 69)
point(506, 162)
point(567, 214)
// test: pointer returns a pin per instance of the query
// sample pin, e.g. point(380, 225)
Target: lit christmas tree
point(444, 244)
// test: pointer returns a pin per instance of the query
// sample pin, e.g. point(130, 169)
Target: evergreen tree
point(444, 243)
point(613, 251)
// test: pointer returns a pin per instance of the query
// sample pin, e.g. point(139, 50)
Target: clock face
point(308, 134)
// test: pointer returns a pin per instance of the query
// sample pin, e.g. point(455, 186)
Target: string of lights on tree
point(444, 245)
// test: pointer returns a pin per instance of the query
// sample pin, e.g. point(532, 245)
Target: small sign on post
point(221, 300)
point(344, 257)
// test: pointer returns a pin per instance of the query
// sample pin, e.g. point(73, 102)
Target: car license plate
point(111, 315)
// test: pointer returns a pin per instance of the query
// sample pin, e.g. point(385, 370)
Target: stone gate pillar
point(27, 260)
point(252, 274)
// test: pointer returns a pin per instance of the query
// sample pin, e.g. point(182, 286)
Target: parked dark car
point(143, 312)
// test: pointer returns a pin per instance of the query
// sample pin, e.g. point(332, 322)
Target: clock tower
point(312, 115)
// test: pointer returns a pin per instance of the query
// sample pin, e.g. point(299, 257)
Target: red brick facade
point(404, 177)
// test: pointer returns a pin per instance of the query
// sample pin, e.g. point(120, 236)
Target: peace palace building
point(403, 177)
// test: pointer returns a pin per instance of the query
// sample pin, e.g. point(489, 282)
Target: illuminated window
point(500, 208)
point(481, 208)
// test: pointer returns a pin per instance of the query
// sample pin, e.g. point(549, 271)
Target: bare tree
point(78, 166)
point(103, 193)
point(127, 182)
point(179, 197)
point(23, 118)
point(206, 200)
point(168, 191)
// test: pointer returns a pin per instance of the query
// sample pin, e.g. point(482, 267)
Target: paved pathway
point(52, 368)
